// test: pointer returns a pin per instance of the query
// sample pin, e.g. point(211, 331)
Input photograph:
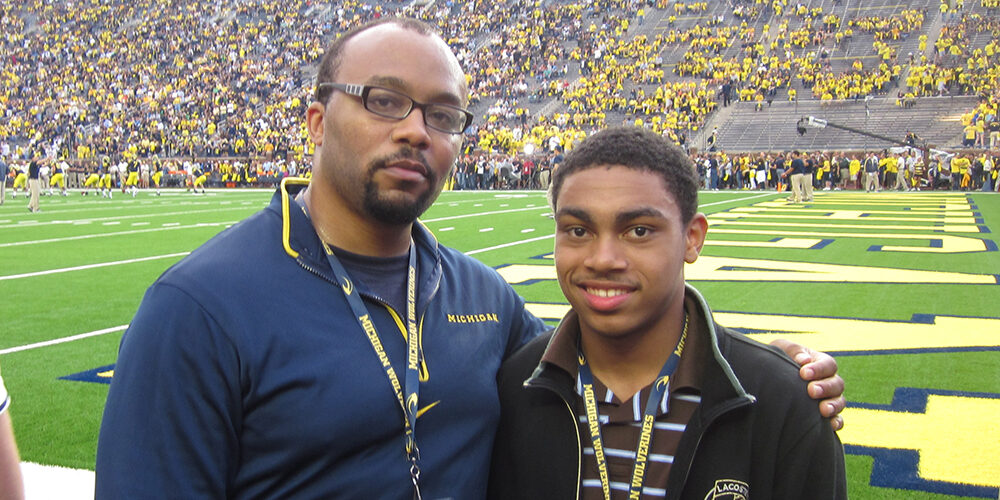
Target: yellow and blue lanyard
point(656, 394)
point(408, 394)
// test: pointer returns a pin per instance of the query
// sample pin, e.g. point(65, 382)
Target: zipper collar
point(300, 242)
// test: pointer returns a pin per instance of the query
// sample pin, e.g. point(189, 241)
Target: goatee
point(398, 211)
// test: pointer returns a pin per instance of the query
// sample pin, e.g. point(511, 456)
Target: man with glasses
point(372, 372)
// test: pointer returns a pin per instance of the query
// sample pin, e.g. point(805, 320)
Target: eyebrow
point(574, 212)
point(620, 218)
point(400, 85)
point(630, 215)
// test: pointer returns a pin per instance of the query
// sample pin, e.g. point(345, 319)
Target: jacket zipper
point(724, 410)
point(542, 384)
point(579, 448)
point(309, 268)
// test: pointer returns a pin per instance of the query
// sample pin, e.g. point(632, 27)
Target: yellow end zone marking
point(720, 269)
point(843, 215)
point(800, 243)
point(912, 205)
point(949, 243)
point(733, 269)
point(842, 334)
point(899, 195)
point(934, 208)
point(849, 214)
point(847, 334)
point(953, 228)
point(957, 437)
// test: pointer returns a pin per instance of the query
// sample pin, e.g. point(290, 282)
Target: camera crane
point(806, 122)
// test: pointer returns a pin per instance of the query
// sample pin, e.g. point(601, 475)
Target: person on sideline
point(639, 392)
point(796, 174)
point(372, 372)
point(3, 180)
point(34, 183)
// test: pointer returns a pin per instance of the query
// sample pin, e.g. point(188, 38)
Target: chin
point(397, 209)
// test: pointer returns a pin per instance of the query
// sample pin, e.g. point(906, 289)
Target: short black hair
point(330, 64)
point(639, 149)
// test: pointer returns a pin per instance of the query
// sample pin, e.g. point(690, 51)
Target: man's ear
point(695, 237)
point(314, 122)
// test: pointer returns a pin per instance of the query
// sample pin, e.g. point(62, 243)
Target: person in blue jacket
point(357, 358)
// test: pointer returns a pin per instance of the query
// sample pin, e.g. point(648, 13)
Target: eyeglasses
point(397, 106)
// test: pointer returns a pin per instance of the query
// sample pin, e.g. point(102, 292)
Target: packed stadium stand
point(227, 82)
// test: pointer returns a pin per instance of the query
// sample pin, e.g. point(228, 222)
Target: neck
point(627, 363)
point(344, 228)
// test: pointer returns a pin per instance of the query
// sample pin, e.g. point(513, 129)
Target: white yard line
point(63, 340)
point(119, 233)
point(735, 200)
point(513, 243)
point(480, 214)
point(91, 266)
point(120, 217)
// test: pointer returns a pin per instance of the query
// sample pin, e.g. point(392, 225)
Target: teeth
point(606, 292)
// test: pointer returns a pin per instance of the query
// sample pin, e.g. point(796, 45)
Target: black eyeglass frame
point(362, 92)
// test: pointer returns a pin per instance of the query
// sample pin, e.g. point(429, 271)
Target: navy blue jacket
point(244, 374)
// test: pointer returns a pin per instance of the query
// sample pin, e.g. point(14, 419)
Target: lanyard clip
point(415, 477)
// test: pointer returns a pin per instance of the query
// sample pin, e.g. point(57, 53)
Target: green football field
point(901, 287)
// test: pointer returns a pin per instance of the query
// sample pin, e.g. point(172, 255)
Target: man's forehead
point(389, 50)
point(390, 39)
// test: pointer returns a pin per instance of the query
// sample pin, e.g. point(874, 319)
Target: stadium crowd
point(200, 86)
point(896, 169)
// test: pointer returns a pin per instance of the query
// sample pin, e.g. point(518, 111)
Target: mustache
point(405, 153)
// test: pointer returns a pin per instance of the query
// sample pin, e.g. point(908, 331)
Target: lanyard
point(645, 435)
point(408, 394)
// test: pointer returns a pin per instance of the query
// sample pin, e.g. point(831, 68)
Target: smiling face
point(620, 250)
point(384, 170)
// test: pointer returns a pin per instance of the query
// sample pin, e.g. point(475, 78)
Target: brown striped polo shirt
point(621, 419)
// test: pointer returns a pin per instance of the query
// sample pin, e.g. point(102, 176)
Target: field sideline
point(901, 287)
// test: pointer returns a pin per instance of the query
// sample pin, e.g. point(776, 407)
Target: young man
point(639, 392)
point(373, 369)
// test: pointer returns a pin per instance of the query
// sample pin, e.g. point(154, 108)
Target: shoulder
point(252, 241)
point(765, 371)
point(523, 361)
point(744, 352)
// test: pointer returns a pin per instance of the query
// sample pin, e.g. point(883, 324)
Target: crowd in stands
point(901, 169)
point(224, 86)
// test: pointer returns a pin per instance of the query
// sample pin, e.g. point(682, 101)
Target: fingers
point(837, 423)
point(815, 365)
point(820, 370)
point(823, 388)
point(831, 408)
